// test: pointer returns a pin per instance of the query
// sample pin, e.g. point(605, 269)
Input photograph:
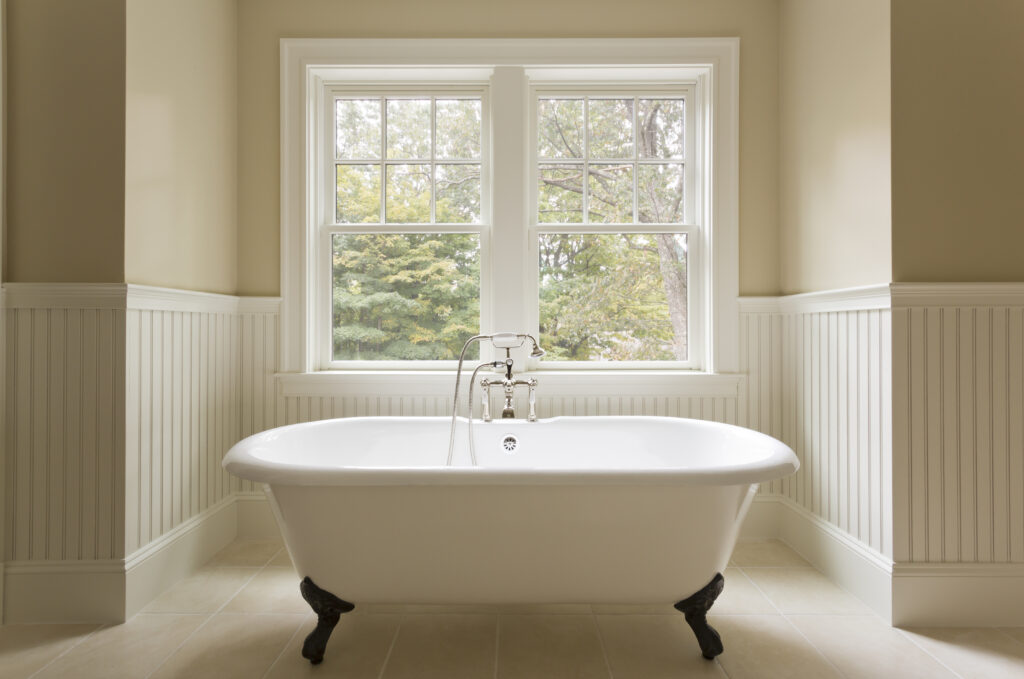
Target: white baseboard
point(112, 590)
point(255, 518)
point(843, 559)
point(958, 595)
point(178, 554)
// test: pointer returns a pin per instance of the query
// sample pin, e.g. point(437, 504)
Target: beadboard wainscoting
point(958, 385)
point(819, 367)
point(120, 403)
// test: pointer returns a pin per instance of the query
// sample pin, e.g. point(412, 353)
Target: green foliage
point(602, 298)
point(404, 296)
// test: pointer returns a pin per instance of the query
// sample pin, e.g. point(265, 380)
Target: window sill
point(551, 383)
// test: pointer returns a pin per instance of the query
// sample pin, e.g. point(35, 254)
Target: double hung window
point(575, 203)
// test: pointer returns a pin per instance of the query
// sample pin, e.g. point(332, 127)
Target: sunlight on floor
point(242, 616)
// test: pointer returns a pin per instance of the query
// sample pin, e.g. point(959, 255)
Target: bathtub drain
point(510, 443)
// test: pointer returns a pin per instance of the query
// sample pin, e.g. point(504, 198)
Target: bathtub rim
point(240, 461)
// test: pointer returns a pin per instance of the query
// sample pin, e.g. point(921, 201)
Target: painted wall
point(958, 207)
point(66, 141)
point(834, 144)
point(180, 129)
point(263, 22)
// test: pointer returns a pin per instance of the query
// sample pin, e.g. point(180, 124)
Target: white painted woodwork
point(959, 426)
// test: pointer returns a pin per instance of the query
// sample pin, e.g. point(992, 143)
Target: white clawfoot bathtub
point(565, 510)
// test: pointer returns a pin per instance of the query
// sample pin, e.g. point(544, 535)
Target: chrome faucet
point(508, 386)
point(501, 340)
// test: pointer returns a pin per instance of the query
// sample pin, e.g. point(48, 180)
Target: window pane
point(613, 297)
point(457, 194)
point(611, 194)
point(611, 128)
point(661, 128)
point(560, 194)
point(404, 296)
point(408, 131)
point(358, 197)
point(560, 128)
point(407, 194)
point(457, 129)
point(661, 194)
point(358, 128)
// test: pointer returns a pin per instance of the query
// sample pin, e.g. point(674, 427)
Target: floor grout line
point(285, 647)
point(497, 643)
point(391, 647)
point(797, 629)
point(211, 616)
point(928, 653)
point(73, 646)
point(604, 649)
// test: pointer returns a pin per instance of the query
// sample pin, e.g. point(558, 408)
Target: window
point(615, 208)
point(425, 202)
point(406, 196)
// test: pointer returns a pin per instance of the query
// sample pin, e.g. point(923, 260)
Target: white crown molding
point(861, 298)
point(65, 295)
point(957, 294)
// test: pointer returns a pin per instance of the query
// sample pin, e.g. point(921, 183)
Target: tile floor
point(242, 616)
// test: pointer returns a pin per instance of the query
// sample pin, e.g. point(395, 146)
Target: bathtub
point(564, 510)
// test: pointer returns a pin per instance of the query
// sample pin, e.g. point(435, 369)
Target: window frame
point(327, 226)
point(711, 62)
point(693, 208)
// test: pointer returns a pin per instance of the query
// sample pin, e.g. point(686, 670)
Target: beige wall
point(263, 22)
point(834, 141)
point(180, 177)
point(958, 146)
point(65, 143)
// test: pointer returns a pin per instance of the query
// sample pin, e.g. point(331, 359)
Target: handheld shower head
point(537, 351)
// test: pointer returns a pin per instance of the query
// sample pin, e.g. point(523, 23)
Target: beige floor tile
point(26, 648)
point(864, 647)
point(204, 592)
point(549, 647)
point(282, 560)
point(1015, 632)
point(247, 553)
point(741, 597)
point(544, 609)
point(802, 591)
point(634, 609)
point(357, 649)
point(973, 653)
point(444, 647)
point(231, 646)
point(652, 647)
point(131, 650)
point(428, 609)
point(768, 647)
point(273, 590)
point(766, 553)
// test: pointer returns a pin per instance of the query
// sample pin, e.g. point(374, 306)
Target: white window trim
point(307, 62)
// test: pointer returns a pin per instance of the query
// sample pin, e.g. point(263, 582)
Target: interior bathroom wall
point(834, 145)
point(262, 23)
point(181, 142)
point(957, 148)
point(958, 308)
point(65, 109)
point(137, 351)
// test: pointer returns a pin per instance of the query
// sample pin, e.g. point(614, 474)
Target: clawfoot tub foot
point(328, 609)
point(695, 608)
